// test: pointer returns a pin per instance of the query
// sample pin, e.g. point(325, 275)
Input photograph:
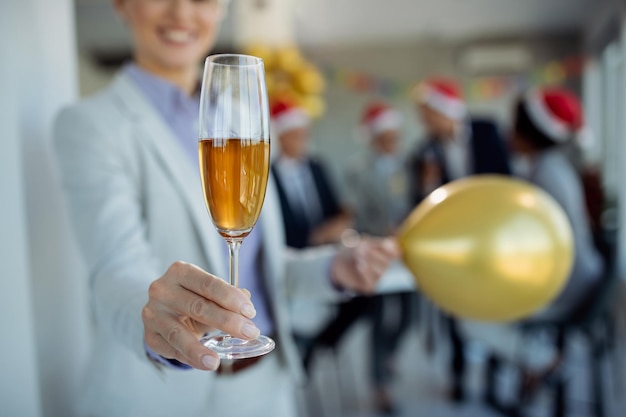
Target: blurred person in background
point(377, 188)
point(312, 213)
point(545, 123)
point(456, 146)
point(128, 160)
point(377, 184)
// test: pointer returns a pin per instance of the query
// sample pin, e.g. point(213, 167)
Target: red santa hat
point(442, 95)
point(555, 112)
point(378, 117)
point(287, 116)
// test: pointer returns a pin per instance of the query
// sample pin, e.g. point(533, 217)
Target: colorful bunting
point(476, 88)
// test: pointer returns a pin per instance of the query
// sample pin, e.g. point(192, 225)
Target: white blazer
point(136, 204)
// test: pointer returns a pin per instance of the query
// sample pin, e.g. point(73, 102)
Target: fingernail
point(361, 266)
point(250, 331)
point(390, 245)
point(210, 362)
point(248, 311)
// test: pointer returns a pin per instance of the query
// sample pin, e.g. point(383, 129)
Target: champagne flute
point(234, 157)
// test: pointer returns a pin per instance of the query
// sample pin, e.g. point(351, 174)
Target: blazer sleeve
point(308, 273)
point(296, 272)
point(104, 204)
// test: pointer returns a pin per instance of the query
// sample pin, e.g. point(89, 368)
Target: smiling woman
point(171, 36)
point(129, 165)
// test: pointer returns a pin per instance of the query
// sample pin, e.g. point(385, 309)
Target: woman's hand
point(359, 268)
point(187, 302)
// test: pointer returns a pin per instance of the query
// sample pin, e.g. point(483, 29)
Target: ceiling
point(322, 22)
point(401, 19)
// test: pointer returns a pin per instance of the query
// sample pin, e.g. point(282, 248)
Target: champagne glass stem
point(233, 272)
point(233, 251)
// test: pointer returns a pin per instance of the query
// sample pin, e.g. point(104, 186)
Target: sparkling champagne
point(234, 176)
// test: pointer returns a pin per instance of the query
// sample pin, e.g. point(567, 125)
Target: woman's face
point(519, 144)
point(171, 35)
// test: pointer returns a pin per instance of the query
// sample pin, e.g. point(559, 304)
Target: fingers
point(351, 270)
point(380, 254)
point(185, 302)
point(245, 292)
point(390, 247)
point(361, 268)
point(214, 289)
point(189, 304)
point(180, 344)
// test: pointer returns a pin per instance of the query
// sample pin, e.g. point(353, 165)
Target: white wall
point(42, 50)
point(19, 389)
point(612, 129)
point(592, 97)
point(621, 150)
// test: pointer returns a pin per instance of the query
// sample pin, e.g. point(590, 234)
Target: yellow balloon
point(309, 81)
point(289, 59)
point(488, 248)
point(265, 52)
point(313, 105)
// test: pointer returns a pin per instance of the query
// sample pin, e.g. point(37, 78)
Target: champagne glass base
point(228, 347)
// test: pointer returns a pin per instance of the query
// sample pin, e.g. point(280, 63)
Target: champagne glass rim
point(254, 60)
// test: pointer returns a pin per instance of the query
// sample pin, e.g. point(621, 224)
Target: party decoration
point(488, 248)
point(484, 88)
point(289, 59)
point(264, 52)
point(313, 105)
point(291, 77)
point(309, 81)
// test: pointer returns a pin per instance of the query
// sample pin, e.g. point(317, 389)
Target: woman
point(129, 166)
point(546, 121)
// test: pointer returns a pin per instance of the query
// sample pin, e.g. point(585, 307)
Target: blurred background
point(332, 56)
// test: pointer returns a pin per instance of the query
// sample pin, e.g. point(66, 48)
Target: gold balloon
point(488, 248)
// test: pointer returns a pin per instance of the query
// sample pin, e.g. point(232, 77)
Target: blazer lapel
point(174, 160)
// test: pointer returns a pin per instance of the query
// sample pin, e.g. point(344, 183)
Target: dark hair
point(526, 128)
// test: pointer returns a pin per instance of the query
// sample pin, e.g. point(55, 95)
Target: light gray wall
point(53, 316)
point(19, 380)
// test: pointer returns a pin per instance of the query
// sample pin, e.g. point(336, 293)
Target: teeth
point(177, 35)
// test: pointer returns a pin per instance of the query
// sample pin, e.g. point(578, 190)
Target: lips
point(177, 36)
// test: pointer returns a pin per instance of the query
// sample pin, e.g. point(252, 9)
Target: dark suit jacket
point(487, 151)
point(297, 227)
